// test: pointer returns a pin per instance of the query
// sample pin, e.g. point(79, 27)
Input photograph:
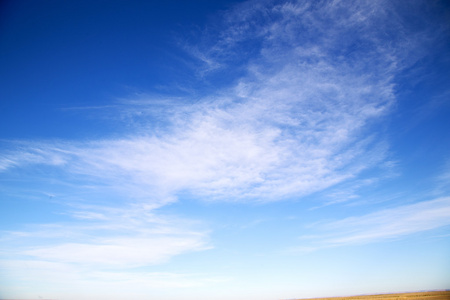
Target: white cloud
point(102, 249)
point(123, 252)
point(386, 224)
point(124, 238)
point(25, 155)
point(268, 138)
point(30, 277)
point(254, 149)
point(297, 121)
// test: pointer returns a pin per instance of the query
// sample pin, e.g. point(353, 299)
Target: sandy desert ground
point(435, 295)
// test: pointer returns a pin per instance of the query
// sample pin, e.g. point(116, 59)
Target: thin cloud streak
point(121, 252)
point(383, 225)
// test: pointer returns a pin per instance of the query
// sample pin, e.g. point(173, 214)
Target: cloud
point(382, 225)
point(315, 79)
point(103, 250)
point(105, 238)
point(124, 252)
point(50, 278)
point(255, 150)
point(24, 155)
point(357, 36)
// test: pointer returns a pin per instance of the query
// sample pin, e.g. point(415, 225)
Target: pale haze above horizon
point(229, 150)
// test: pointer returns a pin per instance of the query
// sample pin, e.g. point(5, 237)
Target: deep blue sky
point(82, 53)
point(223, 149)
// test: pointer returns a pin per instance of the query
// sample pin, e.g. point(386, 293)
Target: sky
point(234, 150)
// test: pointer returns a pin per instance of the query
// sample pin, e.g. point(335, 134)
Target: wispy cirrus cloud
point(382, 225)
point(253, 150)
point(315, 78)
point(348, 35)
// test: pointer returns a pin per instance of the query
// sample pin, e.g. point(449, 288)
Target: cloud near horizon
point(382, 225)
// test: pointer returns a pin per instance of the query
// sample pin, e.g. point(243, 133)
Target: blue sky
point(223, 149)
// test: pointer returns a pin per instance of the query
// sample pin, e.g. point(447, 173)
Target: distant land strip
point(434, 295)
